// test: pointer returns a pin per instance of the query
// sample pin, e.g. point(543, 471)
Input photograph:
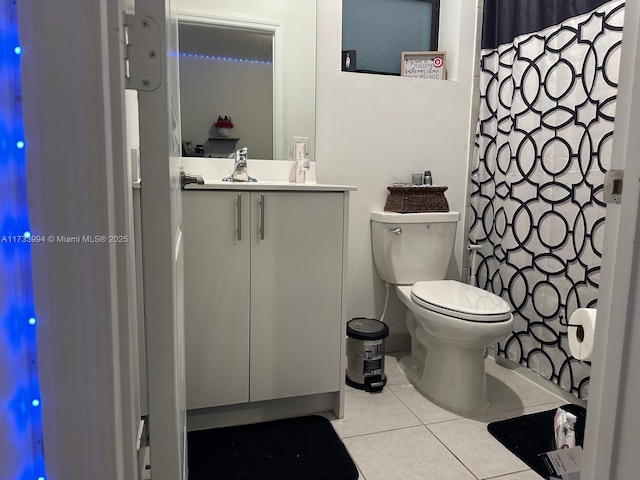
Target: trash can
point(365, 353)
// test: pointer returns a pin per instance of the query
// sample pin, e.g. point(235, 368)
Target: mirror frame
point(261, 26)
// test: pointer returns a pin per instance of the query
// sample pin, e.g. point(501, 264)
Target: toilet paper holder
point(567, 324)
point(580, 333)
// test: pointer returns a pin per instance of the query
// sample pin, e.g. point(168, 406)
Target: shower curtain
point(548, 81)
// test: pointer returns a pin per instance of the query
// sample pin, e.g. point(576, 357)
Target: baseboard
point(255, 412)
point(397, 342)
point(539, 380)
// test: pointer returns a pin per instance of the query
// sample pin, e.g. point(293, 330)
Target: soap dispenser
point(426, 178)
point(301, 164)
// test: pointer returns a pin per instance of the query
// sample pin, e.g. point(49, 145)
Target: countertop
point(271, 186)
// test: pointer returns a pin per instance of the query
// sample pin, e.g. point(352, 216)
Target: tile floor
point(398, 434)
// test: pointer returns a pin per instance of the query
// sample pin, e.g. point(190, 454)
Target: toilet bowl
point(453, 324)
point(450, 323)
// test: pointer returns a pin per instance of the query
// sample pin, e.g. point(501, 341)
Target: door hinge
point(613, 180)
point(143, 57)
point(144, 451)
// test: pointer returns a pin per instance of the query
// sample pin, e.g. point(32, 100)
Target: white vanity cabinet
point(263, 279)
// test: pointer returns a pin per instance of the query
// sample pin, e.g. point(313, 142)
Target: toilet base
point(452, 377)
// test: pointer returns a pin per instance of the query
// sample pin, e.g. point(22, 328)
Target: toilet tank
point(410, 247)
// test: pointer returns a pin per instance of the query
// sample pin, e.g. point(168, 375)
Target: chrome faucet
point(240, 168)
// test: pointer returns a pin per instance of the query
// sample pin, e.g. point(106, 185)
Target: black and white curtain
point(548, 82)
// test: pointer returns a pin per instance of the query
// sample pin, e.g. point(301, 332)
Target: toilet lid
point(460, 300)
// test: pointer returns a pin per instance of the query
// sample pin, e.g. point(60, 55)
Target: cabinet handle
point(262, 216)
point(239, 206)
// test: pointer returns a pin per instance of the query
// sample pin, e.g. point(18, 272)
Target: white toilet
point(450, 323)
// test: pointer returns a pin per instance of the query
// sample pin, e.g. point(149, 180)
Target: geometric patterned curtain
point(543, 145)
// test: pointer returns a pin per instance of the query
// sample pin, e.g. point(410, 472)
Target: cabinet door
point(216, 288)
point(296, 294)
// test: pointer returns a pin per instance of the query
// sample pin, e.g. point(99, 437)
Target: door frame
point(161, 228)
point(614, 388)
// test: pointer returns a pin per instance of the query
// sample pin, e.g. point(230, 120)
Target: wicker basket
point(416, 199)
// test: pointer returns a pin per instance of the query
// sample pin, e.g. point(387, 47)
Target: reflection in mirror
point(287, 107)
point(226, 89)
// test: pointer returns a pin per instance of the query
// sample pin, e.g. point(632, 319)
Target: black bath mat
point(303, 448)
point(530, 435)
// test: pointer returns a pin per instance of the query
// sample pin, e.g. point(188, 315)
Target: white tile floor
point(399, 434)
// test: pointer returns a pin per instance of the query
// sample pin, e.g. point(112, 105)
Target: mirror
point(226, 89)
point(253, 62)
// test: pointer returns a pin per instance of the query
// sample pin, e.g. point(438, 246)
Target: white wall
point(296, 83)
point(244, 91)
point(373, 130)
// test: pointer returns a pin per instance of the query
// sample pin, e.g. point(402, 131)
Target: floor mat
point(303, 448)
point(530, 435)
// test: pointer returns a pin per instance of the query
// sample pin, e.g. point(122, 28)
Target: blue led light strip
point(21, 427)
point(226, 59)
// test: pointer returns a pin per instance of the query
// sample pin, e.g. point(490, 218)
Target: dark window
point(380, 30)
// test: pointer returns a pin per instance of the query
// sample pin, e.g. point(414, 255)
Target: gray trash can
point(365, 353)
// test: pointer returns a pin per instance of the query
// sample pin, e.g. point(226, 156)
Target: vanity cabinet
point(263, 282)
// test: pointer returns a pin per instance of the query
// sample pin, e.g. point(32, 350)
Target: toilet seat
point(461, 301)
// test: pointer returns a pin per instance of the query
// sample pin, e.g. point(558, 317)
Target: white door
point(611, 446)
point(79, 185)
point(161, 214)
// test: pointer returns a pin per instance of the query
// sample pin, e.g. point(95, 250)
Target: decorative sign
point(424, 65)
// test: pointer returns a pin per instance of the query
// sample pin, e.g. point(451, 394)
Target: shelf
point(219, 146)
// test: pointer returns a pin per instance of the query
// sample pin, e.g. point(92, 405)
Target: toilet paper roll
point(581, 337)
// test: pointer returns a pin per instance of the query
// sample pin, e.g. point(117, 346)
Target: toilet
point(450, 323)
